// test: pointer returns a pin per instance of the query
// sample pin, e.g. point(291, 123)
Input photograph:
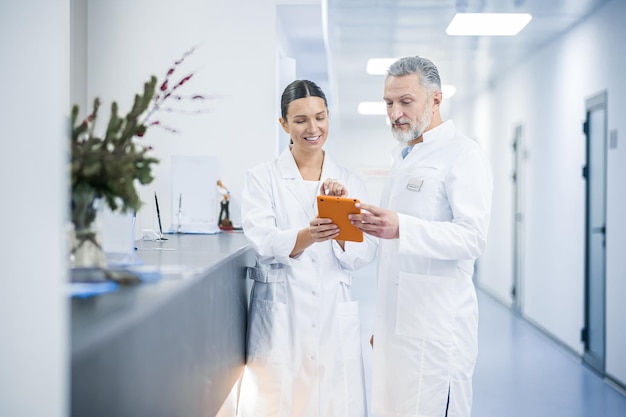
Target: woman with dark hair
point(304, 342)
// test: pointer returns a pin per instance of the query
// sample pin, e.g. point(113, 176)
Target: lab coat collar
point(442, 132)
point(289, 169)
point(330, 169)
point(294, 182)
point(287, 165)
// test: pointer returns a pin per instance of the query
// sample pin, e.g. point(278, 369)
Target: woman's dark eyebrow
point(304, 115)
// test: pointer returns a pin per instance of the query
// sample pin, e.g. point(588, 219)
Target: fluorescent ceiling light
point(377, 66)
point(448, 90)
point(372, 108)
point(488, 24)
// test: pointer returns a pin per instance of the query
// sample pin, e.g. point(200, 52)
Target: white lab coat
point(304, 343)
point(426, 322)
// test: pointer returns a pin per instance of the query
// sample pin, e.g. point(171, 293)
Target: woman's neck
point(309, 164)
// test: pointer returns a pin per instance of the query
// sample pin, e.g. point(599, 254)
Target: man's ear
point(437, 99)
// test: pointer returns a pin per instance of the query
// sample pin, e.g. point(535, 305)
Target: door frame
point(595, 360)
point(519, 155)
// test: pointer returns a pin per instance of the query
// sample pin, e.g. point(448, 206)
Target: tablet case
point(337, 209)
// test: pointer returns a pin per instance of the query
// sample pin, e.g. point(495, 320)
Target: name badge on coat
point(414, 184)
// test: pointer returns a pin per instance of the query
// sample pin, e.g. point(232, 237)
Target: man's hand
point(376, 221)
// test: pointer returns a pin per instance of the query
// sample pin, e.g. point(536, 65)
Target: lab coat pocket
point(349, 400)
point(424, 179)
point(425, 307)
point(349, 328)
point(268, 330)
point(418, 190)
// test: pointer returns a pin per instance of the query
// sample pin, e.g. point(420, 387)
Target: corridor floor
point(520, 372)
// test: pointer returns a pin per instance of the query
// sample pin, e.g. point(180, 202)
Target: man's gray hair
point(427, 71)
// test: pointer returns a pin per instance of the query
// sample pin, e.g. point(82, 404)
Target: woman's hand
point(322, 229)
point(319, 230)
point(333, 187)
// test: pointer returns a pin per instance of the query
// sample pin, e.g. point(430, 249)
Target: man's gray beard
point(404, 137)
point(414, 132)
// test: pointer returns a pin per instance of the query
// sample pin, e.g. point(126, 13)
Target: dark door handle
point(598, 229)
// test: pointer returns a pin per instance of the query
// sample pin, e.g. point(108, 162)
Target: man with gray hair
point(432, 225)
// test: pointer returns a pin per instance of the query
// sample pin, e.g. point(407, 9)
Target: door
point(593, 334)
point(519, 156)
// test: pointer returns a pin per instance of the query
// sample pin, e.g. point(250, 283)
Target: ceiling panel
point(361, 29)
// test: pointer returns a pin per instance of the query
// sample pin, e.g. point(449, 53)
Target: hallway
point(521, 372)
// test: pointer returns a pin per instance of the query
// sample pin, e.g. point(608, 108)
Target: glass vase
point(85, 240)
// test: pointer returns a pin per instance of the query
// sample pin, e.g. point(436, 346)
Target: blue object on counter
point(89, 289)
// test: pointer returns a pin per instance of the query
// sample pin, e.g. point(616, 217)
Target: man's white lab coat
point(425, 330)
point(304, 343)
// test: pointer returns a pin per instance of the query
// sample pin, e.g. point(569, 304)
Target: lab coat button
point(312, 358)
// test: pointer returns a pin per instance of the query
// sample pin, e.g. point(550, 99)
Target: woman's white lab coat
point(425, 328)
point(304, 343)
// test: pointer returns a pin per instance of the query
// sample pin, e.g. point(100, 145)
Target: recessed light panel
point(372, 108)
point(379, 66)
point(488, 24)
point(448, 90)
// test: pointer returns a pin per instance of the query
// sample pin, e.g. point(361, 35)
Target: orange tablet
point(337, 209)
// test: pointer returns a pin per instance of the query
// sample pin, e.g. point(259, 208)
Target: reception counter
point(174, 347)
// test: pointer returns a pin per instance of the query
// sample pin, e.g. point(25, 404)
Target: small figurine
point(224, 222)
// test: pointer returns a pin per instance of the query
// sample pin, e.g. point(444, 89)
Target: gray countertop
point(182, 259)
point(172, 347)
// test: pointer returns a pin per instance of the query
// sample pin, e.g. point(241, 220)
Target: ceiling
point(333, 40)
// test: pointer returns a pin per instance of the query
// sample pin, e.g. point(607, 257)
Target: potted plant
point(106, 168)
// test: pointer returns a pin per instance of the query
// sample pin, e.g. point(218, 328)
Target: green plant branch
point(110, 167)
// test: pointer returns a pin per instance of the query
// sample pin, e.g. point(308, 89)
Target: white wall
point(610, 63)
point(34, 46)
point(547, 95)
point(495, 261)
point(78, 54)
point(236, 59)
